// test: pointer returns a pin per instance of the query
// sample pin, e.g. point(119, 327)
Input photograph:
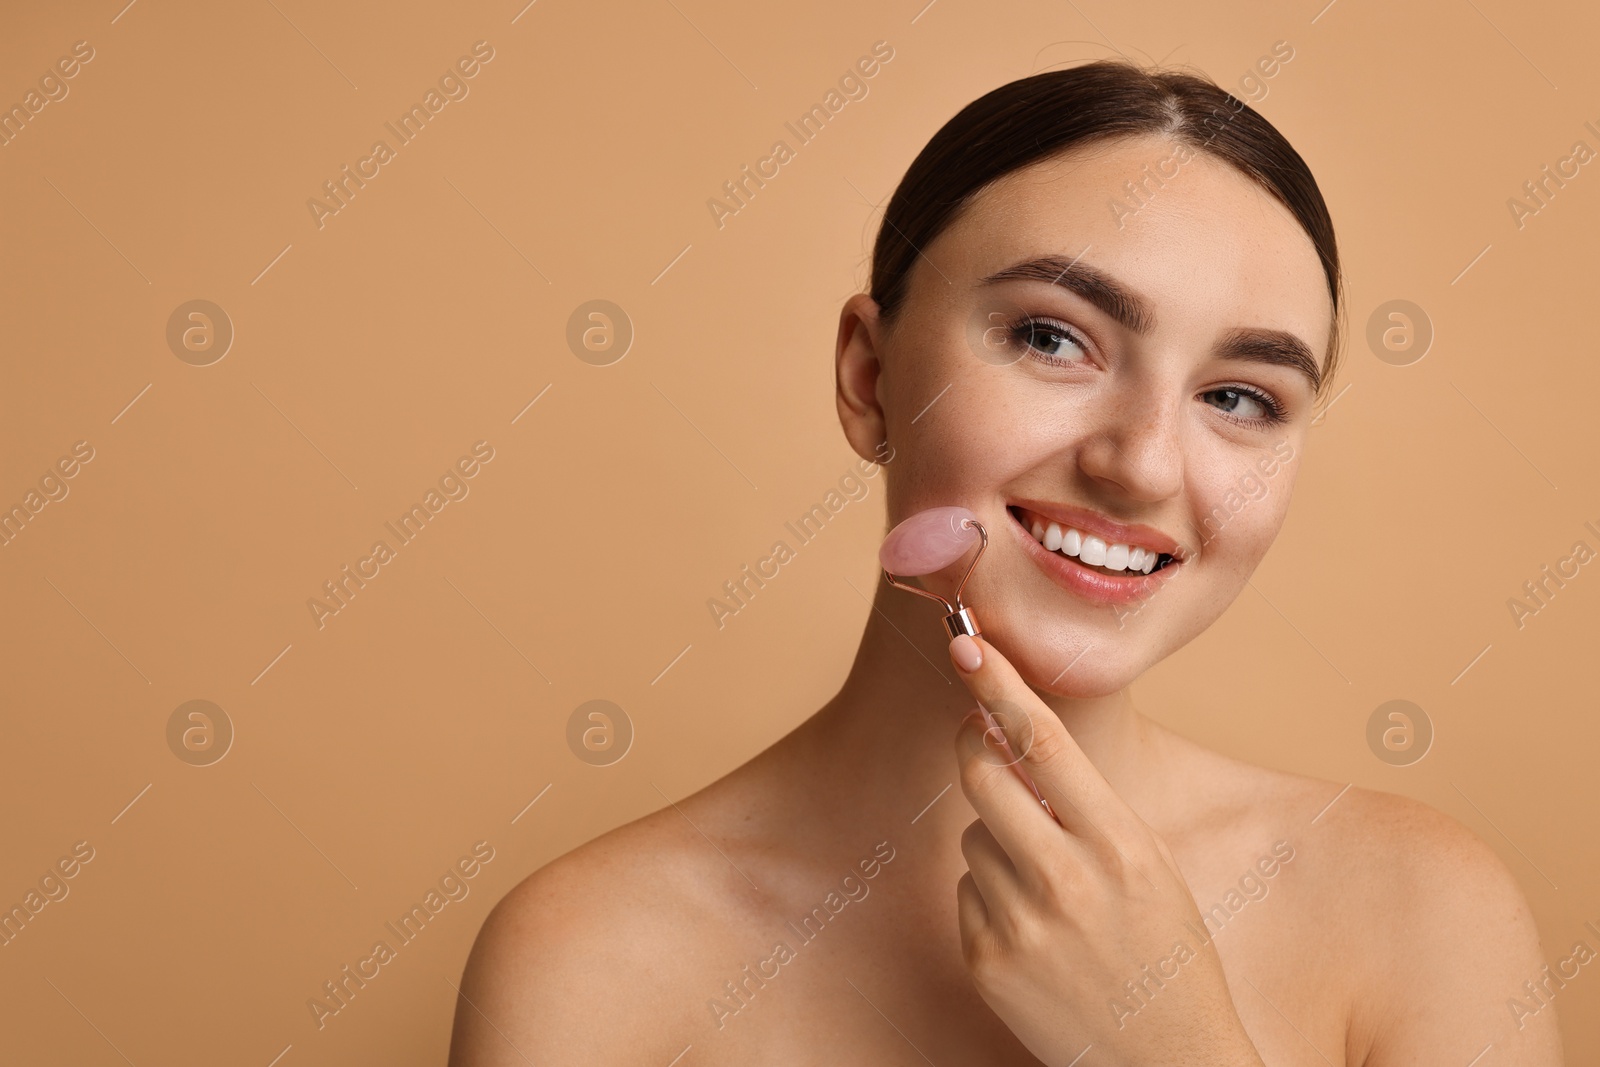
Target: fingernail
point(966, 653)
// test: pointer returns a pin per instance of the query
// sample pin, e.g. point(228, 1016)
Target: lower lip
point(1076, 578)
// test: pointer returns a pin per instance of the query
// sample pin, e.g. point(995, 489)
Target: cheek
point(1237, 518)
point(961, 446)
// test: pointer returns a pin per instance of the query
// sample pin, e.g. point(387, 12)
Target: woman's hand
point(1081, 935)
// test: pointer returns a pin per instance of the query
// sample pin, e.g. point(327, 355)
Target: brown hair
point(1034, 118)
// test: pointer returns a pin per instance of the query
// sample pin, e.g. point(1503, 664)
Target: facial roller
point(930, 541)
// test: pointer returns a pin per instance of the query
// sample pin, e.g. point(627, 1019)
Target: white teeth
point(1094, 550)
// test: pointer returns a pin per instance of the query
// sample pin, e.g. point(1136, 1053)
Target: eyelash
point(1021, 329)
point(1276, 412)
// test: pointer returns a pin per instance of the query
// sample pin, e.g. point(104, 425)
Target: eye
point(1052, 342)
point(1245, 404)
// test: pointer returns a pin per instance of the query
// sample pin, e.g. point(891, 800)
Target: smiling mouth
point(1114, 560)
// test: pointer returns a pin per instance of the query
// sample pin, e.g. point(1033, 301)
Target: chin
point(1070, 659)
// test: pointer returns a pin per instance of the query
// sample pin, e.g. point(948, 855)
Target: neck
point(891, 728)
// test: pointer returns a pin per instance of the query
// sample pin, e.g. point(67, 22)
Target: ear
point(857, 366)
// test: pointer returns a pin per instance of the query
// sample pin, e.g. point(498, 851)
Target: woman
point(1102, 300)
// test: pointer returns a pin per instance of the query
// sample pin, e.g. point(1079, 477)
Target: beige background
point(428, 313)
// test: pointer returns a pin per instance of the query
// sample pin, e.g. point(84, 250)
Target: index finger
point(993, 785)
point(1083, 801)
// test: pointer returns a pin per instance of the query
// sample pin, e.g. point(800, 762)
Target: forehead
point(1200, 240)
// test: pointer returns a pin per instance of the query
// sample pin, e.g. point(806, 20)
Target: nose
point(1137, 449)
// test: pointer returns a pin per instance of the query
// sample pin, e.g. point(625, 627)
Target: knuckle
point(1143, 845)
point(1065, 890)
point(990, 959)
point(1047, 748)
point(1060, 881)
point(1023, 929)
point(1134, 867)
point(981, 954)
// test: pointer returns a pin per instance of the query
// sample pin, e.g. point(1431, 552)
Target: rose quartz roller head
point(930, 541)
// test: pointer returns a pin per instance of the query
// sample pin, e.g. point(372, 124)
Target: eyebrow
point(1124, 305)
point(1133, 312)
point(1277, 348)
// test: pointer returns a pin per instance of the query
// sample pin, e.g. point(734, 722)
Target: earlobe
point(857, 368)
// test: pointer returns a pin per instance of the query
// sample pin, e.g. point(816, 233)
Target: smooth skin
point(993, 934)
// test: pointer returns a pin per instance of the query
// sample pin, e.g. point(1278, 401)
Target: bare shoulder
point(1456, 964)
point(575, 960)
point(1380, 844)
point(1431, 929)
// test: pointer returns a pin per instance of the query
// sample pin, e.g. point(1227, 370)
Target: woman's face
point(1138, 372)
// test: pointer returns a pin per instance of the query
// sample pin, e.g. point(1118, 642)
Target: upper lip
point(1109, 530)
